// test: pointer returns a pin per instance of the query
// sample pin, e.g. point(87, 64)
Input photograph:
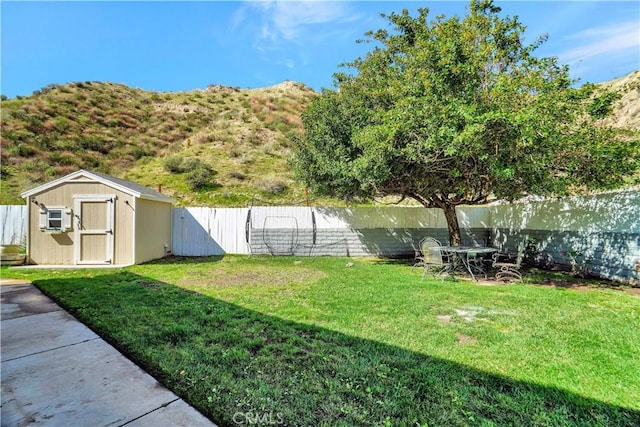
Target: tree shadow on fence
point(598, 234)
point(396, 231)
point(232, 363)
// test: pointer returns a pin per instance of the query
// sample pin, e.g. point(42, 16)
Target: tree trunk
point(452, 224)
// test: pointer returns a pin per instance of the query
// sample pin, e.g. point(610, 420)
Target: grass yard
point(318, 341)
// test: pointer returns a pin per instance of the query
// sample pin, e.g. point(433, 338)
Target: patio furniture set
point(476, 260)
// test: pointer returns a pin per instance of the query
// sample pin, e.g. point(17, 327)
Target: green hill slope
point(243, 135)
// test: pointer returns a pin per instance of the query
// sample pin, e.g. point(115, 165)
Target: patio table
point(463, 254)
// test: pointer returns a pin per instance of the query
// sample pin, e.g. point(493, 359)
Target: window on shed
point(56, 219)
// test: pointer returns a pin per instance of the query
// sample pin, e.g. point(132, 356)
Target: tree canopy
point(457, 111)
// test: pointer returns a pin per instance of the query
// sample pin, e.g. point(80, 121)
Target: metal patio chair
point(508, 266)
point(433, 259)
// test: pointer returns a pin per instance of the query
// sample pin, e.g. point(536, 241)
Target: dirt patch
point(577, 286)
point(489, 282)
point(465, 339)
point(444, 318)
point(469, 314)
point(633, 291)
point(566, 283)
point(474, 313)
point(262, 276)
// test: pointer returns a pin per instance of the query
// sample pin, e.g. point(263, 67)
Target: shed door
point(93, 243)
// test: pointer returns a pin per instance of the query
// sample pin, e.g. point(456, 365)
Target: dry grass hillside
point(626, 111)
point(219, 146)
point(245, 136)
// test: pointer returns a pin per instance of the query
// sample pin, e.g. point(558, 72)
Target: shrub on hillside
point(200, 176)
point(192, 163)
point(173, 164)
point(22, 150)
point(140, 152)
point(273, 185)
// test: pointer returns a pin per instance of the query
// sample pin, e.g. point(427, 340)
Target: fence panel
point(14, 224)
point(202, 231)
point(598, 233)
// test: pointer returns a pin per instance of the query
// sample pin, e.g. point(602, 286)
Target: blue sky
point(174, 46)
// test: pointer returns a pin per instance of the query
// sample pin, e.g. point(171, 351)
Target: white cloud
point(238, 17)
point(294, 19)
point(607, 40)
point(283, 30)
point(278, 23)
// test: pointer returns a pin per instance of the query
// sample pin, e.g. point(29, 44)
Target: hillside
point(626, 112)
point(244, 135)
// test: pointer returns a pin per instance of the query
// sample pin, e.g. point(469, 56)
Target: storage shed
point(88, 218)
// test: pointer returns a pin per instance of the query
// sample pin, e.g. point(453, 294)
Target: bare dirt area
point(590, 287)
point(465, 339)
point(255, 277)
point(589, 284)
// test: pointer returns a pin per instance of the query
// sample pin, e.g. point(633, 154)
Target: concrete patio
point(57, 372)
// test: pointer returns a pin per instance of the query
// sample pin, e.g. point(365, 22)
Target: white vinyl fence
point(216, 231)
point(14, 224)
point(602, 232)
point(209, 231)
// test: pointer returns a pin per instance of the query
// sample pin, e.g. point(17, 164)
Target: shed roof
point(129, 187)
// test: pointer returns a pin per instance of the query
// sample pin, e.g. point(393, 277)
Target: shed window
point(55, 219)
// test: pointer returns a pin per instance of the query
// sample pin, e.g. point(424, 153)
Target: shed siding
point(123, 221)
point(153, 230)
point(59, 248)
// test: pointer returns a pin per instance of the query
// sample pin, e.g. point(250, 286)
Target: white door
point(93, 243)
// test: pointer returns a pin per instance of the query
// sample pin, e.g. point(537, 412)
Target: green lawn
point(314, 341)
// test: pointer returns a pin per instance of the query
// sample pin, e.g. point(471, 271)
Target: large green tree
point(456, 111)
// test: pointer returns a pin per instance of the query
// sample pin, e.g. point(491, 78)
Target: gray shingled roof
point(133, 188)
point(144, 191)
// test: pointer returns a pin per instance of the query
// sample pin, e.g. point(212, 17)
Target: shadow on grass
point(235, 364)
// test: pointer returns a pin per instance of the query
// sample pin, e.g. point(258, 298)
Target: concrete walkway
point(57, 372)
